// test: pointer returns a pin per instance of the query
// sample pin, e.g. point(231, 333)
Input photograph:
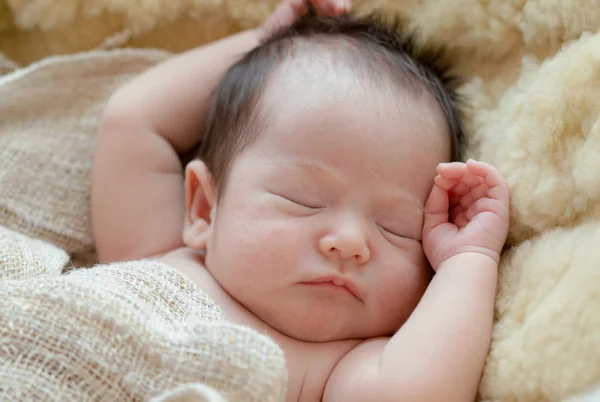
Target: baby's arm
point(137, 195)
point(439, 353)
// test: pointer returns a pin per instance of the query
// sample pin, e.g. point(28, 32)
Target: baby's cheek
point(263, 240)
point(401, 288)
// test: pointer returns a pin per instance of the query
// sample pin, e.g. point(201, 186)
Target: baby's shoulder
point(190, 264)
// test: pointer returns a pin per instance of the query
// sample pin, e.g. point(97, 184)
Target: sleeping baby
point(325, 205)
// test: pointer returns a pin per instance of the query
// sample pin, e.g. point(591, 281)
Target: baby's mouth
point(334, 283)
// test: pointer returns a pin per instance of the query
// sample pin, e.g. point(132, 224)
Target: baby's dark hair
point(381, 51)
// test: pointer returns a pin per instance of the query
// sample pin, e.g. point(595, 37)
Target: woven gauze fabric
point(22, 257)
point(121, 332)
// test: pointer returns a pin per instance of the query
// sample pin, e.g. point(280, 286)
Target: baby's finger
point(492, 177)
point(445, 183)
point(471, 180)
point(285, 14)
point(455, 211)
point(476, 193)
point(480, 191)
point(453, 170)
point(482, 205)
point(341, 6)
point(461, 221)
point(330, 7)
point(297, 8)
point(467, 200)
point(490, 174)
point(457, 217)
point(436, 208)
point(461, 189)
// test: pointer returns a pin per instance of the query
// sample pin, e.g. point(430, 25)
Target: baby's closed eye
point(401, 228)
point(393, 231)
point(302, 201)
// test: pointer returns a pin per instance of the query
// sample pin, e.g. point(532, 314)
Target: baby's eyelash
point(390, 232)
point(301, 203)
point(396, 234)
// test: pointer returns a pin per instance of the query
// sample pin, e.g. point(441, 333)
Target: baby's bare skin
point(308, 364)
point(263, 244)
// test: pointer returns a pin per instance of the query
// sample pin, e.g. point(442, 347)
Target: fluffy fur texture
point(532, 70)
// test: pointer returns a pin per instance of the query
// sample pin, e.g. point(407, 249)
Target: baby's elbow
point(120, 112)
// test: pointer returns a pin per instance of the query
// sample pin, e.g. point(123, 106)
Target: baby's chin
point(315, 329)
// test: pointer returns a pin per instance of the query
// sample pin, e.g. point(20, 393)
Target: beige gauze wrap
point(122, 332)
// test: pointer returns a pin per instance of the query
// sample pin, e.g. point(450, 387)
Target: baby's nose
point(347, 244)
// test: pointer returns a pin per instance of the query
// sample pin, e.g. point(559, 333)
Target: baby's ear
point(199, 201)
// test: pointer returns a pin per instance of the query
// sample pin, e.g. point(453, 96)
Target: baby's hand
point(289, 11)
point(467, 212)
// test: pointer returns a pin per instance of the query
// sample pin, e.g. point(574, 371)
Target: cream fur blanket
point(532, 71)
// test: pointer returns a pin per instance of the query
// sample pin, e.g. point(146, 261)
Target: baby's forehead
point(386, 76)
point(299, 90)
point(321, 111)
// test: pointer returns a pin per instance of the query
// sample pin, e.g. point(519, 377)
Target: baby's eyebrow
point(317, 168)
point(311, 170)
point(320, 170)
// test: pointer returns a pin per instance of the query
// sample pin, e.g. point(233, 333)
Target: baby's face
point(319, 229)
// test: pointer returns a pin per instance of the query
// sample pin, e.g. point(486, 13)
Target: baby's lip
point(340, 281)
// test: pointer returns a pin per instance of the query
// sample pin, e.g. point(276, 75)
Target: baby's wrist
point(485, 259)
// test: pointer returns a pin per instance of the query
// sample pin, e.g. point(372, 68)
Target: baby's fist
point(467, 212)
point(289, 11)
